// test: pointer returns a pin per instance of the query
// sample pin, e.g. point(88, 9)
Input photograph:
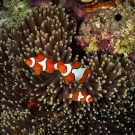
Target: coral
point(80, 9)
point(16, 11)
point(62, 2)
point(75, 9)
point(40, 2)
point(104, 39)
point(83, 40)
point(109, 26)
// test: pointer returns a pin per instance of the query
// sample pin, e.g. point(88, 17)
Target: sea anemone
point(112, 87)
point(48, 31)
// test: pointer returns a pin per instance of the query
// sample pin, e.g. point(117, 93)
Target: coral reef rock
point(110, 27)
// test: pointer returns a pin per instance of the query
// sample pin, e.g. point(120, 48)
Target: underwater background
point(55, 55)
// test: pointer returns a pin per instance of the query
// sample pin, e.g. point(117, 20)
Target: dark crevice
point(118, 17)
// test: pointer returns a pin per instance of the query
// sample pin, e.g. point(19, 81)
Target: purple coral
point(75, 9)
point(38, 3)
point(106, 41)
point(83, 41)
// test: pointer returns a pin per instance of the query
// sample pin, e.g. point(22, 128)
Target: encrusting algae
point(124, 47)
point(86, 1)
point(92, 45)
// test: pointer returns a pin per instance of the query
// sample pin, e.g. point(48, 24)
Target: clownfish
point(73, 72)
point(34, 108)
point(40, 63)
point(82, 97)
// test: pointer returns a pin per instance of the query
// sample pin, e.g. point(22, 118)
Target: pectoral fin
point(69, 78)
point(65, 79)
point(83, 101)
point(37, 72)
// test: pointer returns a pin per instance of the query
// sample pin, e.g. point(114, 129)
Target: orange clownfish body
point(82, 97)
point(40, 63)
point(73, 72)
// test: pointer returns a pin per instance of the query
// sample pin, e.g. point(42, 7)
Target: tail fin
point(90, 99)
point(86, 73)
point(31, 104)
point(67, 96)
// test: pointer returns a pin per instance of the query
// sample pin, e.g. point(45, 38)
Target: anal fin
point(37, 72)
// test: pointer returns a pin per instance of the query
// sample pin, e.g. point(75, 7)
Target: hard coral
point(16, 11)
point(75, 9)
point(109, 26)
point(37, 3)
